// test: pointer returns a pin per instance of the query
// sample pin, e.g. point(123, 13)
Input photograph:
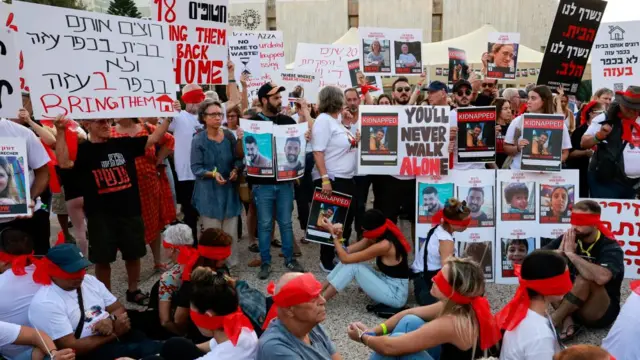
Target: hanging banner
point(390, 51)
point(458, 68)
point(258, 147)
point(502, 55)
point(198, 31)
point(621, 216)
point(88, 65)
point(329, 61)
point(245, 54)
point(10, 94)
point(544, 133)
point(403, 140)
point(290, 155)
point(15, 197)
point(333, 208)
point(299, 85)
point(570, 41)
point(358, 77)
point(615, 57)
point(476, 134)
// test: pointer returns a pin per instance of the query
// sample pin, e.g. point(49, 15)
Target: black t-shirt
point(501, 155)
point(279, 119)
point(606, 253)
point(107, 174)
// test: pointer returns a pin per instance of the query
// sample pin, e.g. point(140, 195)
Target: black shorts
point(605, 321)
point(108, 234)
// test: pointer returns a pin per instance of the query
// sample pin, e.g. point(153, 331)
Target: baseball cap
point(437, 86)
point(461, 83)
point(269, 89)
point(68, 257)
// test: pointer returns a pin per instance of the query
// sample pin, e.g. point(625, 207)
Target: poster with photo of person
point(477, 134)
point(544, 133)
point(532, 72)
point(407, 46)
point(431, 198)
point(513, 250)
point(502, 55)
point(445, 72)
point(557, 196)
point(299, 85)
point(14, 178)
point(332, 208)
point(290, 154)
point(458, 67)
point(379, 139)
point(479, 199)
point(376, 54)
point(358, 77)
point(438, 71)
point(480, 251)
point(518, 200)
point(258, 147)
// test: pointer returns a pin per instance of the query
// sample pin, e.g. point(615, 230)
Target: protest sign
point(198, 31)
point(245, 54)
point(390, 51)
point(502, 55)
point(616, 52)
point(88, 65)
point(299, 85)
point(544, 133)
point(458, 68)
point(8, 18)
point(329, 61)
point(403, 140)
point(476, 134)
point(333, 208)
point(258, 147)
point(570, 41)
point(14, 164)
point(358, 77)
point(290, 154)
point(621, 216)
point(10, 94)
point(272, 60)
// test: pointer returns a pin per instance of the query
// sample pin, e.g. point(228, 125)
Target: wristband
point(326, 182)
point(231, 81)
point(325, 176)
point(214, 171)
point(383, 326)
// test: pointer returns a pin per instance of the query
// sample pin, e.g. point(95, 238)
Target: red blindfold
point(439, 217)
point(195, 96)
point(302, 289)
point(188, 256)
point(45, 270)
point(583, 219)
point(18, 262)
point(231, 324)
point(388, 225)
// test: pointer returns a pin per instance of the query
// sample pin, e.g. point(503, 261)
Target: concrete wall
point(248, 14)
point(310, 21)
point(405, 14)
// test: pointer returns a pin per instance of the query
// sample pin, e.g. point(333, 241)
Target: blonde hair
point(566, 112)
point(11, 190)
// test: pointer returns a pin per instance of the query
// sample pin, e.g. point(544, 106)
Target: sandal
point(254, 248)
point(304, 241)
point(577, 330)
point(138, 297)
point(276, 243)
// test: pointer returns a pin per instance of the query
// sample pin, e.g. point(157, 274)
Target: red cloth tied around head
point(439, 216)
point(188, 256)
point(628, 127)
point(388, 225)
point(583, 219)
point(18, 262)
point(45, 270)
point(489, 330)
point(195, 96)
point(516, 310)
point(231, 324)
point(299, 290)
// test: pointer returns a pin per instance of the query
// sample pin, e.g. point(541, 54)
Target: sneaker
point(327, 269)
point(294, 266)
point(265, 271)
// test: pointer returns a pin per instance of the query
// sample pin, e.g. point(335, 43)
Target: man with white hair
point(513, 96)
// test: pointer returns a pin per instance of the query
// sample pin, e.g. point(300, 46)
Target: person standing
point(503, 119)
point(579, 158)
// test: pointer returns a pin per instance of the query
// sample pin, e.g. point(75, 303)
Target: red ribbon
point(60, 239)
point(18, 262)
point(635, 286)
point(299, 290)
point(388, 225)
point(628, 126)
point(516, 310)
point(489, 330)
point(71, 138)
point(188, 256)
point(45, 270)
point(439, 216)
point(366, 88)
point(583, 219)
point(231, 324)
point(195, 96)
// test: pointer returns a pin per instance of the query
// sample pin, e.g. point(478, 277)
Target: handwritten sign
point(272, 60)
point(198, 31)
point(15, 201)
point(92, 66)
point(245, 54)
point(616, 52)
point(10, 99)
point(621, 216)
point(329, 61)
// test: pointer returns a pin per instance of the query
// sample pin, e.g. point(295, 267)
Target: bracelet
point(325, 176)
point(326, 182)
point(214, 171)
point(231, 81)
point(383, 326)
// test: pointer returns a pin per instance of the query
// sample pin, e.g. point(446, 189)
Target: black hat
point(437, 86)
point(460, 83)
point(629, 98)
point(269, 89)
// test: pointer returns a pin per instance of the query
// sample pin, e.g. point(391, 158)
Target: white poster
point(328, 61)
point(272, 60)
point(198, 32)
point(502, 55)
point(390, 51)
point(245, 54)
point(615, 56)
point(621, 216)
point(403, 140)
point(10, 93)
point(14, 166)
point(88, 65)
point(258, 147)
point(299, 85)
point(290, 154)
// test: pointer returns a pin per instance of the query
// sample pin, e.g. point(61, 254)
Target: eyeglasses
point(597, 112)
point(463, 92)
point(214, 114)
point(403, 89)
point(489, 85)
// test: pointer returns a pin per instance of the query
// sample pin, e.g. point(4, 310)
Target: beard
point(583, 235)
point(402, 100)
point(474, 208)
point(273, 109)
point(353, 109)
point(292, 158)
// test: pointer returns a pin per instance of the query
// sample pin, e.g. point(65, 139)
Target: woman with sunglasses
point(578, 157)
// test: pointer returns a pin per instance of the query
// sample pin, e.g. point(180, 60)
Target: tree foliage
point(126, 8)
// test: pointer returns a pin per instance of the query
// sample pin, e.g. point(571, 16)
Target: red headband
point(516, 310)
point(231, 324)
point(188, 256)
point(302, 289)
point(45, 270)
point(195, 96)
point(439, 217)
point(388, 225)
point(18, 262)
point(489, 330)
point(591, 220)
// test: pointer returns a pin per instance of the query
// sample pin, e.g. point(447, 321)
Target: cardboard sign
point(198, 31)
point(10, 94)
point(621, 216)
point(290, 150)
point(329, 61)
point(88, 65)
point(258, 147)
point(272, 60)
point(503, 55)
point(615, 58)
point(334, 208)
point(458, 68)
point(15, 197)
point(476, 134)
point(245, 54)
point(390, 51)
point(544, 133)
point(403, 140)
point(572, 36)
point(299, 85)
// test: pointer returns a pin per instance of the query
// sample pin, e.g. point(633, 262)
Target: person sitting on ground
point(382, 241)
point(38, 344)
point(296, 334)
point(544, 277)
point(622, 340)
point(459, 326)
point(584, 352)
point(78, 311)
point(597, 269)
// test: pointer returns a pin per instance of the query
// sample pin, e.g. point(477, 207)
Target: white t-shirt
point(453, 121)
point(14, 308)
point(631, 157)
point(433, 258)
point(183, 127)
point(533, 339)
point(245, 349)
point(407, 58)
point(8, 335)
point(511, 131)
point(622, 340)
point(56, 311)
point(331, 137)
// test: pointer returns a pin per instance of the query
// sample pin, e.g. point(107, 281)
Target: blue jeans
point(276, 199)
point(408, 324)
point(610, 190)
point(380, 287)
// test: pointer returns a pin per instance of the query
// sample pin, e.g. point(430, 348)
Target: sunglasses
point(463, 92)
point(489, 85)
point(403, 89)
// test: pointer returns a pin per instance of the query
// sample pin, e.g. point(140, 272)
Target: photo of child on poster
point(458, 68)
point(544, 134)
point(333, 207)
point(501, 57)
point(518, 201)
point(555, 203)
point(379, 139)
point(376, 55)
point(481, 252)
point(480, 200)
point(408, 57)
point(13, 180)
point(431, 199)
point(513, 253)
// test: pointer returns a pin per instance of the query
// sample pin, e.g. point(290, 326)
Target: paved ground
point(347, 307)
